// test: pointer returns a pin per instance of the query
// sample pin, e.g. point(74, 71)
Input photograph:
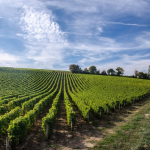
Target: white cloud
point(105, 44)
point(102, 45)
point(128, 68)
point(49, 55)
point(7, 59)
point(74, 6)
point(100, 30)
point(40, 26)
point(128, 24)
point(143, 41)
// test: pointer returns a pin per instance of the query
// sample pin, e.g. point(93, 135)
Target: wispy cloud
point(40, 25)
point(127, 24)
point(79, 6)
point(108, 7)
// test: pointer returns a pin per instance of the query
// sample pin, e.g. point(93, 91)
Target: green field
point(25, 93)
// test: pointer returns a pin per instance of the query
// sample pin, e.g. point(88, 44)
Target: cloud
point(130, 63)
point(85, 19)
point(100, 30)
point(73, 6)
point(128, 68)
point(106, 44)
point(40, 26)
point(7, 59)
point(144, 40)
point(46, 57)
point(106, 8)
point(127, 24)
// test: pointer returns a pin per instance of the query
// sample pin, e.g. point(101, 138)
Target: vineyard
point(25, 94)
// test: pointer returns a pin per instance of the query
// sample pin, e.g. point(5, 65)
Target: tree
point(98, 72)
point(86, 71)
point(74, 68)
point(111, 71)
point(136, 73)
point(120, 71)
point(103, 72)
point(142, 75)
point(92, 69)
point(145, 76)
point(80, 70)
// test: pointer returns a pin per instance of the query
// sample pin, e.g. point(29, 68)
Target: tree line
point(141, 75)
point(93, 70)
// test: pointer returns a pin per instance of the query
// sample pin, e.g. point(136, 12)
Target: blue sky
point(52, 34)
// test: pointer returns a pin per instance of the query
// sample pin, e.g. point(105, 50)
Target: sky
point(53, 34)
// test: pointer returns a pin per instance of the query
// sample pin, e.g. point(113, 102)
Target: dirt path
point(61, 129)
point(81, 136)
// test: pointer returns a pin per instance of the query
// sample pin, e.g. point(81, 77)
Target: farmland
point(30, 96)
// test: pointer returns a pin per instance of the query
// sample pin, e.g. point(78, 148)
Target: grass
point(134, 135)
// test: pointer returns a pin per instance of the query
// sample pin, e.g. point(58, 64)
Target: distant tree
point(136, 73)
point(120, 71)
point(92, 69)
point(86, 71)
point(98, 72)
point(142, 75)
point(74, 68)
point(103, 72)
point(146, 76)
point(80, 70)
point(111, 71)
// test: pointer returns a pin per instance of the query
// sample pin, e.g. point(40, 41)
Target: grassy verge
point(134, 135)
